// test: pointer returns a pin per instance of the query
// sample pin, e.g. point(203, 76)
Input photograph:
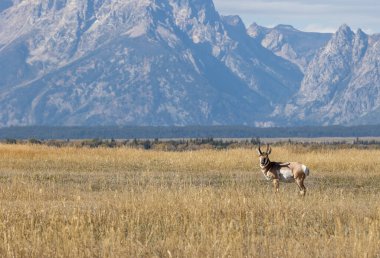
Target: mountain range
point(177, 62)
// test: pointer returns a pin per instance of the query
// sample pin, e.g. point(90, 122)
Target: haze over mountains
point(177, 62)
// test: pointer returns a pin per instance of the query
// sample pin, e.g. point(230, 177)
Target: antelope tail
point(306, 170)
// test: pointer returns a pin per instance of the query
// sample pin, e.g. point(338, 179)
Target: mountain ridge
point(176, 62)
point(289, 43)
point(69, 74)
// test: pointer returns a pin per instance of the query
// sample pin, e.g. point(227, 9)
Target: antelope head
point(264, 156)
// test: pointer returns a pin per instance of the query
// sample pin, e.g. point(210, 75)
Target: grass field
point(81, 202)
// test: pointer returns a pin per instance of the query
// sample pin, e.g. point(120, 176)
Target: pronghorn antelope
point(284, 172)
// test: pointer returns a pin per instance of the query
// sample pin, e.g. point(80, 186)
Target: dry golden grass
point(73, 202)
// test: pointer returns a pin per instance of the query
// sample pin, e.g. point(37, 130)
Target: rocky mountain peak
point(361, 33)
point(342, 82)
point(344, 33)
point(254, 27)
point(347, 46)
point(203, 11)
point(360, 46)
point(234, 24)
point(234, 20)
point(256, 31)
point(287, 42)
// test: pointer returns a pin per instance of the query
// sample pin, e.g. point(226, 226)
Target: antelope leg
point(276, 184)
point(301, 186)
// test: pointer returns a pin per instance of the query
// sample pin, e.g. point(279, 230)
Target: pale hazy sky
point(307, 15)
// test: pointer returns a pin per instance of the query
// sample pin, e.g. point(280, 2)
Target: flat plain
point(121, 202)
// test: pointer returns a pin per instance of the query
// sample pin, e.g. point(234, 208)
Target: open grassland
point(81, 202)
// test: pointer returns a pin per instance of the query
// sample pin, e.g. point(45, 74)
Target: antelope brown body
point(284, 172)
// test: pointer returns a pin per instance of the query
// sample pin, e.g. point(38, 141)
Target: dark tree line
point(200, 132)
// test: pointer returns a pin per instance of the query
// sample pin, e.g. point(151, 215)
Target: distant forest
point(150, 132)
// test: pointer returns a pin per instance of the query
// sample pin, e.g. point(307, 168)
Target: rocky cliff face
point(103, 62)
point(341, 84)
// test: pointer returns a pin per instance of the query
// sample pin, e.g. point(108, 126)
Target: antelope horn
point(259, 150)
point(269, 149)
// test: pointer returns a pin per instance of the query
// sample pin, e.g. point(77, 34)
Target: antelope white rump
point(285, 175)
